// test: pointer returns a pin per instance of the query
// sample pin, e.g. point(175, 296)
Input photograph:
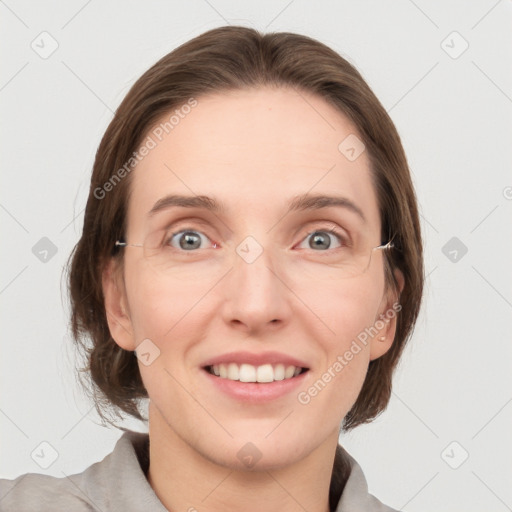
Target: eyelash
point(342, 238)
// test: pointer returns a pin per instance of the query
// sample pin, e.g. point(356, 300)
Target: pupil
point(189, 241)
point(321, 241)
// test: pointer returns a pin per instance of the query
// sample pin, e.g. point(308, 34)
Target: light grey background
point(453, 113)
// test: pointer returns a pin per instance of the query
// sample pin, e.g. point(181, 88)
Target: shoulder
point(33, 491)
point(117, 482)
point(355, 495)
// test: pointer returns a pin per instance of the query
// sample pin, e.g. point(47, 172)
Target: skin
point(253, 150)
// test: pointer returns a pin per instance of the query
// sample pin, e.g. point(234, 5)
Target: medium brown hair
point(224, 59)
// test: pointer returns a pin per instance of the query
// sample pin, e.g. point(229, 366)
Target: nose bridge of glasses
point(253, 251)
point(260, 258)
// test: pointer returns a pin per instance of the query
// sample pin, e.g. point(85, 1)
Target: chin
point(254, 452)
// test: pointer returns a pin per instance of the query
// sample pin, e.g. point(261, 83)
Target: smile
point(249, 373)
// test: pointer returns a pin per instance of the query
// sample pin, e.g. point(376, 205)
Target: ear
point(116, 306)
point(385, 322)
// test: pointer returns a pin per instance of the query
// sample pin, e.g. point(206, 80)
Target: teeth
point(233, 372)
point(279, 372)
point(289, 372)
point(250, 373)
point(247, 373)
point(265, 373)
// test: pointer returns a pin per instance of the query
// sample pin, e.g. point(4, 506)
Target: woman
point(251, 262)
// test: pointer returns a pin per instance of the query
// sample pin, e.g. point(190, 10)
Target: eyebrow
point(318, 201)
point(298, 203)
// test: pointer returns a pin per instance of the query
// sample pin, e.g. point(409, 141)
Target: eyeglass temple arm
point(119, 243)
point(389, 245)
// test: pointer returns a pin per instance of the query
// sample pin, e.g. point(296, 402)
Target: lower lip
point(256, 392)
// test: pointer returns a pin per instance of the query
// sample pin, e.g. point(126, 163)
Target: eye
point(321, 239)
point(187, 239)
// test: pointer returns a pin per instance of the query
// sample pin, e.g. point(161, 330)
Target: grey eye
point(321, 239)
point(188, 240)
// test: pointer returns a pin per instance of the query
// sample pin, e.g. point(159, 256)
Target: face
point(253, 287)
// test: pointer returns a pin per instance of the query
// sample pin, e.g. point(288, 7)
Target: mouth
point(262, 374)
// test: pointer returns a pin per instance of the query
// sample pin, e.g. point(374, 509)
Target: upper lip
point(258, 359)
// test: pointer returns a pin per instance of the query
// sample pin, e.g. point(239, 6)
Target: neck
point(185, 480)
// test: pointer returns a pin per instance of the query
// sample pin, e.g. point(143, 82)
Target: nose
point(255, 293)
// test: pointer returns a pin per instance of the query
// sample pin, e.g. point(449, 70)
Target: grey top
point(118, 484)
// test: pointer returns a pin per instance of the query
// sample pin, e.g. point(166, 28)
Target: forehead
point(253, 150)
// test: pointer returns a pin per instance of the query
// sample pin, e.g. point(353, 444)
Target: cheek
point(345, 313)
point(158, 306)
point(342, 309)
point(163, 312)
